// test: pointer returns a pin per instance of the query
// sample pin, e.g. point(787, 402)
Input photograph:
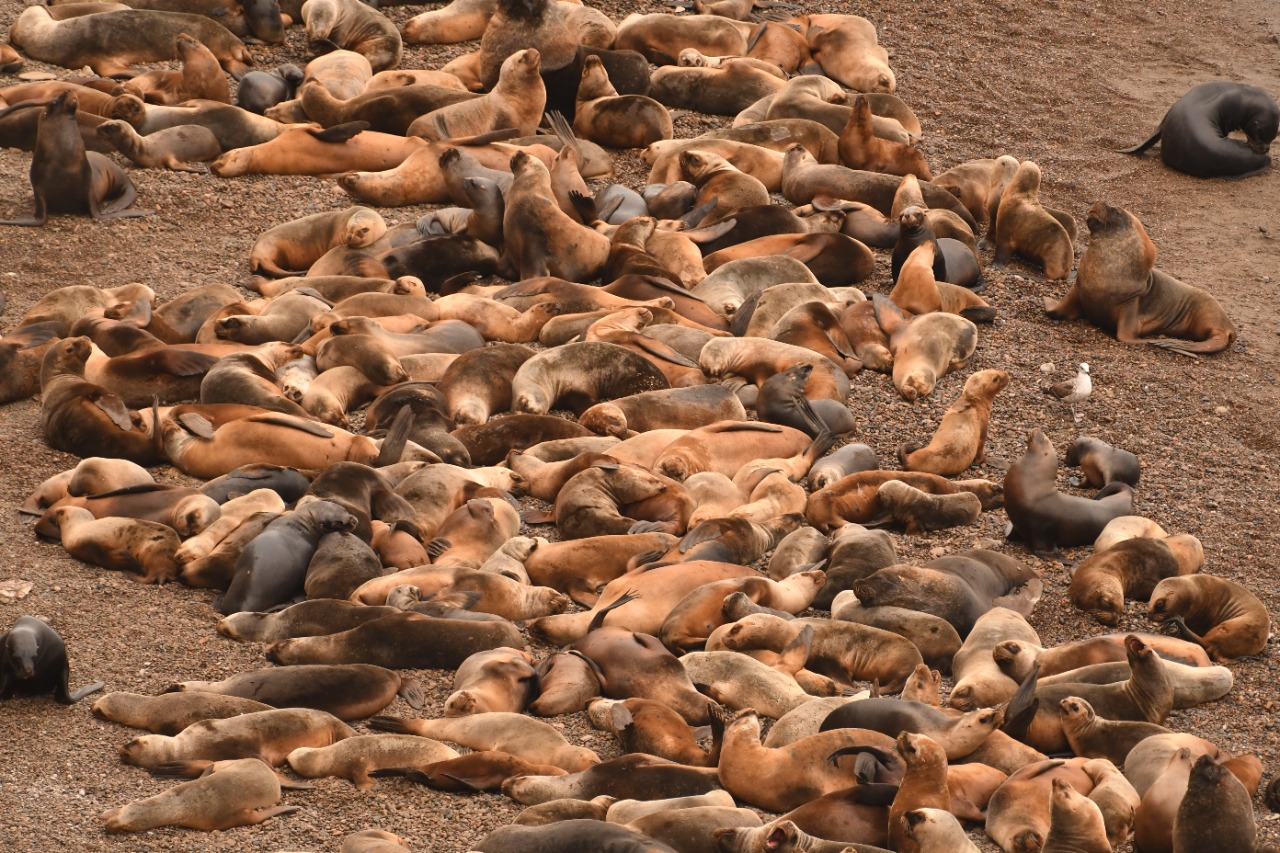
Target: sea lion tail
point(1138, 149)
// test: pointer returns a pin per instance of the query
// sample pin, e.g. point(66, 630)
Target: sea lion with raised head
point(960, 440)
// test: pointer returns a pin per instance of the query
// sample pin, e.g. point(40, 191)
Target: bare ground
point(1062, 83)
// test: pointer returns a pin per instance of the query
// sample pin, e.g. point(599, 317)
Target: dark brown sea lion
point(1127, 570)
point(349, 692)
point(68, 180)
point(1044, 517)
point(1118, 289)
point(1101, 463)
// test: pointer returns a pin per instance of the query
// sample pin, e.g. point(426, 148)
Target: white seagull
point(1074, 390)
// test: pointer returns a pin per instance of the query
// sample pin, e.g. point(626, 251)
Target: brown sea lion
point(855, 498)
point(1023, 227)
point(1094, 737)
point(350, 692)
point(578, 375)
point(919, 511)
point(355, 758)
point(1044, 517)
point(919, 291)
point(200, 77)
point(979, 683)
point(347, 25)
point(517, 101)
point(661, 37)
point(678, 408)
point(170, 713)
point(234, 793)
point(65, 179)
point(172, 148)
point(619, 121)
point(269, 735)
point(1101, 463)
point(541, 239)
point(298, 244)
point(925, 348)
point(1226, 619)
point(846, 48)
point(861, 148)
point(111, 42)
point(521, 736)
point(960, 440)
point(1118, 289)
point(1127, 570)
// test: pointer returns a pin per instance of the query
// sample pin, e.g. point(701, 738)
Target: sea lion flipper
point(412, 691)
point(196, 424)
point(437, 546)
point(598, 620)
point(77, 695)
point(1021, 708)
point(340, 132)
point(1176, 626)
point(621, 717)
point(707, 531)
point(294, 423)
point(699, 213)
point(397, 438)
point(114, 408)
point(796, 654)
point(1142, 146)
point(533, 516)
point(585, 206)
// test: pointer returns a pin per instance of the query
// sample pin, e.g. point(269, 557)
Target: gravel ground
point(1061, 83)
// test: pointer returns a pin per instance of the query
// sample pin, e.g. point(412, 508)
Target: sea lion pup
point(346, 25)
point(727, 89)
point(170, 713)
point(627, 328)
point(649, 727)
point(112, 42)
point(350, 692)
point(936, 638)
point(1226, 619)
point(810, 766)
point(521, 736)
point(540, 238)
point(924, 784)
point(1075, 823)
point(925, 348)
point(979, 683)
point(618, 121)
point(960, 440)
point(1127, 570)
point(1044, 517)
point(1101, 463)
point(661, 37)
point(372, 841)
point(242, 792)
point(1024, 227)
point(199, 78)
point(1193, 134)
point(855, 499)
point(783, 835)
point(517, 101)
point(145, 549)
point(850, 459)
point(720, 181)
point(356, 758)
point(33, 660)
point(268, 735)
point(65, 305)
point(935, 831)
point(1094, 737)
point(676, 408)
point(65, 179)
point(289, 249)
point(461, 20)
point(555, 811)
point(497, 680)
point(304, 619)
point(1118, 289)
point(700, 612)
point(91, 476)
point(1146, 695)
point(171, 148)
point(259, 91)
point(682, 827)
point(920, 511)
point(918, 290)
point(861, 148)
point(846, 48)
point(1186, 548)
point(579, 375)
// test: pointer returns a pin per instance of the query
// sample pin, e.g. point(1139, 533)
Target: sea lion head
point(186, 46)
point(1102, 217)
point(1136, 650)
point(112, 131)
point(1105, 603)
point(524, 64)
point(690, 57)
point(795, 156)
point(326, 516)
point(1075, 709)
point(66, 356)
point(1028, 841)
point(65, 104)
point(409, 285)
point(21, 648)
point(912, 218)
point(194, 513)
point(128, 108)
point(363, 227)
point(1165, 602)
point(605, 419)
point(1038, 444)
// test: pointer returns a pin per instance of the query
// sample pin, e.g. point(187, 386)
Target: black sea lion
point(33, 659)
point(1193, 134)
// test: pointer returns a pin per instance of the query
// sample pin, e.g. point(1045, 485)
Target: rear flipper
point(1138, 149)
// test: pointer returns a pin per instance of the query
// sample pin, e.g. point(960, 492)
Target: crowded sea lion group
point(590, 448)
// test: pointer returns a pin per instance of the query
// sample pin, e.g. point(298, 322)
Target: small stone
point(1047, 367)
point(1221, 410)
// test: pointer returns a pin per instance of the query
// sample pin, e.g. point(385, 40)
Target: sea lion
point(304, 619)
point(646, 726)
point(1118, 289)
point(187, 511)
point(269, 735)
point(200, 77)
point(1094, 737)
point(1101, 463)
point(569, 835)
point(979, 683)
point(348, 25)
point(425, 642)
point(111, 42)
point(555, 811)
point(726, 90)
point(936, 638)
point(33, 660)
point(171, 148)
point(228, 794)
point(676, 408)
point(861, 148)
point(720, 181)
point(1075, 823)
point(356, 758)
point(1226, 619)
point(496, 680)
point(920, 511)
point(925, 348)
point(298, 244)
point(924, 783)
point(170, 713)
point(517, 101)
point(91, 476)
point(854, 499)
point(259, 91)
point(956, 737)
point(144, 548)
point(846, 48)
point(456, 22)
point(1127, 570)
point(350, 692)
point(541, 239)
point(1194, 133)
point(1044, 517)
point(719, 447)
point(580, 374)
point(65, 179)
point(935, 831)
point(1216, 810)
point(960, 440)
point(618, 121)
point(661, 37)
point(918, 290)
point(1024, 227)
point(532, 740)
